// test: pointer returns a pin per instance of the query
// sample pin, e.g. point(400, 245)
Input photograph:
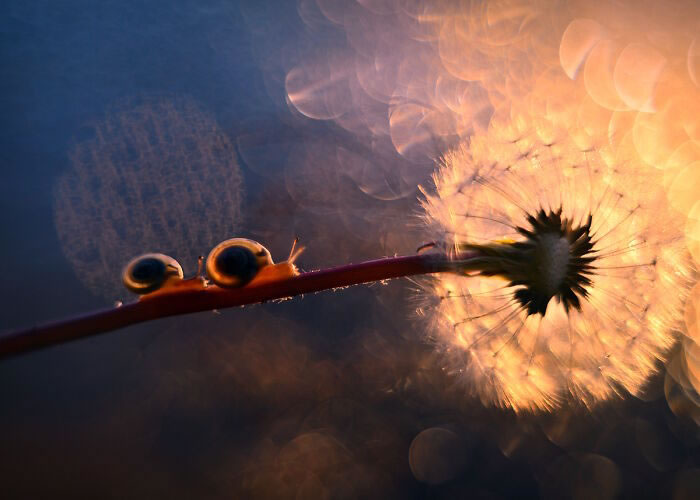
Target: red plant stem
point(194, 300)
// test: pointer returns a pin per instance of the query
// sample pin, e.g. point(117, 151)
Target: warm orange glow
point(484, 191)
point(620, 78)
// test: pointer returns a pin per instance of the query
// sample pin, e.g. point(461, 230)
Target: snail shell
point(149, 272)
point(234, 263)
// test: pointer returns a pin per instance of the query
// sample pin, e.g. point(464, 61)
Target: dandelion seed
point(594, 267)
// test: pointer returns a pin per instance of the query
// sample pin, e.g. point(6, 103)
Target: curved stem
point(187, 301)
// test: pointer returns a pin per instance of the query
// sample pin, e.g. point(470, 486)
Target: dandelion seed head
point(583, 277)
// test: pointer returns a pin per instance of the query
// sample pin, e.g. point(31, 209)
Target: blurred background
point(133, 127)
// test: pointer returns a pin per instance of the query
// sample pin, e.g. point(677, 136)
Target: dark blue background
point(154, 411)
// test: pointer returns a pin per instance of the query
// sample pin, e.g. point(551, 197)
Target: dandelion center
point(554, 261)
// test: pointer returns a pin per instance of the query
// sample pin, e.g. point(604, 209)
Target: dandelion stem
point(212, 297)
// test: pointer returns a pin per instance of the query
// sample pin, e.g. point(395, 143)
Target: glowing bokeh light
point(155, 175)
point(620, 79)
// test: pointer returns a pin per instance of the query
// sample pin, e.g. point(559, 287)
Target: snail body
point(242, 262)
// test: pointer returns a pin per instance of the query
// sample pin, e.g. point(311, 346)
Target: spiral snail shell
point(149, 272)
point(234, 263)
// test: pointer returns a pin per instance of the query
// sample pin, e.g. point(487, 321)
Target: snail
point(239, 262)
point(155, 273)
point(150, 272)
